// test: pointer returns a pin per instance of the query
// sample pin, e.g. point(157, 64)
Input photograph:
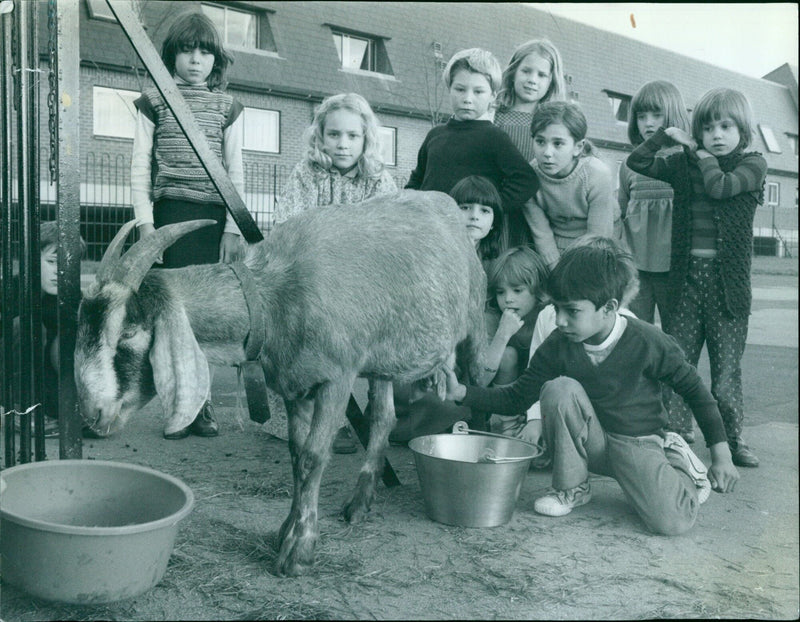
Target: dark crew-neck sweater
point(625, 388)
point(459, 149)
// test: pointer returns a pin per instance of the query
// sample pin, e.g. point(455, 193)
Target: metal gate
point(21, 355)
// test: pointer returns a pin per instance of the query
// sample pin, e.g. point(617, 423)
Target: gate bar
point(67, 66)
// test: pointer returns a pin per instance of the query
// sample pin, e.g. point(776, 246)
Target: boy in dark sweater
point(598, 378)
point(469, 143)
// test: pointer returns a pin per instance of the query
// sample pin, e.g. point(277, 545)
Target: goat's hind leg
point(299, 413)
point(381, 407)
point(298, 535)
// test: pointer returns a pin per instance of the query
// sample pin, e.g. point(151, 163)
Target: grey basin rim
point(80, 530)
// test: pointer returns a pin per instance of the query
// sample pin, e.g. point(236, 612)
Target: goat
point(387, 289)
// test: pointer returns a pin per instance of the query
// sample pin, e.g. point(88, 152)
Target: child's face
point(580, 322)
point(532, 79)
point(478, 219)
point(720, 137)
point(49, 270)
point(343, 138)
point(194, 66)
point(555, 150)
point(470, 95)
point(517, 297)
point(648, 122)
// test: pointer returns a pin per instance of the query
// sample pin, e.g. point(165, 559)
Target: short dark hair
point(719, 103)
point(590, 272)
point(48, 236)
point(195, 30)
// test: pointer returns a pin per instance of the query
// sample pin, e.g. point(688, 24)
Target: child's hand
point(681, 137)
point(455, 390)
point(702, 153)
point(147, 230)
point(230, 248)
point(722, 474)
point(510, 323)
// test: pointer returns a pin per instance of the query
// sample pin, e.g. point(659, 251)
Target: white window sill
point(369, 74)
point(256, 52)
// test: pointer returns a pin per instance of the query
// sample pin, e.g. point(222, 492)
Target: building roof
point(306, 64)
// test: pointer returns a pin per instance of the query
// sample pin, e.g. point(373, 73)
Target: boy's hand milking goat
point(387, 289)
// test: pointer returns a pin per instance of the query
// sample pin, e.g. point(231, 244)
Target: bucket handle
point(462, 427)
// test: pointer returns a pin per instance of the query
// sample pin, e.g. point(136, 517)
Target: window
point(620, 105)
point(359, 52)
point(98, 9)
point(241, 28)
point(792, 138)
point(114, 112)
point(773, 193)
point(262, 130)
point(769, 139)
point(387, 136)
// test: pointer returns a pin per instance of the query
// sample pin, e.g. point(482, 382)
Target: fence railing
point(105, 195)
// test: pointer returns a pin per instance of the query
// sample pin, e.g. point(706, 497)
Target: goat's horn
point(113, 252)
point(130, 270)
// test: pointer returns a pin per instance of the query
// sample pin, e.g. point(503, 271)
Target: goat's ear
point(180, 370)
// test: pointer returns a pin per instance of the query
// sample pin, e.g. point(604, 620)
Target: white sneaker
point(561, 502)
point(675, 445)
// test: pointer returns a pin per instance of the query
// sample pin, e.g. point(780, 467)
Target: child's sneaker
point(561, 502)
point(689, 463)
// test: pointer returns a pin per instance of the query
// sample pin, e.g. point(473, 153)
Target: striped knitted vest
point(178, 173)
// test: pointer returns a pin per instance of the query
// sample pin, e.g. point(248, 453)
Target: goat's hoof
point(295, 558)
point(355, 511)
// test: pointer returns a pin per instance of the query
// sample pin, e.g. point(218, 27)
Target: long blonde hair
point(507, 97)
point(370, 164)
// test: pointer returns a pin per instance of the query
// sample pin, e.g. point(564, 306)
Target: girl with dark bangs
point(168, 182)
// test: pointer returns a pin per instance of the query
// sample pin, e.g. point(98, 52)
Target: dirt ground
point(739, 561)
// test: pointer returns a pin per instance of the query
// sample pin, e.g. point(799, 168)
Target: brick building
point(290, 55)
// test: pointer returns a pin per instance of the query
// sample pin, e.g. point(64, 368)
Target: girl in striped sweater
point(168, 182)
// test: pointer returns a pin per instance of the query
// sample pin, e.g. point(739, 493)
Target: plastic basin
point(461, 487)
point(85, 531)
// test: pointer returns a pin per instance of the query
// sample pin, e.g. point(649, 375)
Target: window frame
point(265, 39)
point(768, 136)
point(277, 115)
point(393, 133)
point(132, 109)
point(792, 138)
point(97, 8)
point(380, 64)
point(615, 96)
point(773, 185)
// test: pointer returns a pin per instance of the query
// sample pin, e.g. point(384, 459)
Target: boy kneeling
point(598, 378)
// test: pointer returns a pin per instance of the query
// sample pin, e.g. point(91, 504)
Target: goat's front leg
point(298, 535)
point(382, 418)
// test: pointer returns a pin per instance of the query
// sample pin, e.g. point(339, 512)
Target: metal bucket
point(88, 531)
point(471, 478)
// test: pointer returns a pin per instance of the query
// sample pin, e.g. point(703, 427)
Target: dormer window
point(240, 28)
point(769, 139)
point(620, 105)
point(792, 138)
point(361, 52)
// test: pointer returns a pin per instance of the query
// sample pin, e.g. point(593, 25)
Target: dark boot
point(741, 454)
point(205, 424)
